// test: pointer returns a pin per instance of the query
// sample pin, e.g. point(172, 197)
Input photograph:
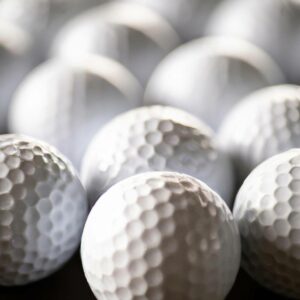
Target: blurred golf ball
point(43, 208)
point(16, 61)
point(263, 124)
point(207, 77)
point(268, 215)
point(129, 33)
point(42, 18)
point(272, 25)
point(66, 104)
point(188, 17)
point(155, 139)
point(160, 236)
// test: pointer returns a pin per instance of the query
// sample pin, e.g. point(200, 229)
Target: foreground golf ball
point(160, 236)
point(208, 76)
point(129, 33)
point(272, 25)
point(262, 125)
point(43, 208)
point(268, 214)
point(15, 61)
point(188, 17)
point(155, 139)
point(65, 104)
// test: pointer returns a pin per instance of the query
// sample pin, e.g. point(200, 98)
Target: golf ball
point(133, 35)
point(43, 208)
point(272, 25)
point(268, 215)
point(155, 139)
point(15, 61)
point(160, 236)
point(188, 17)
point(208, 76)
point(42, 18)
point(263, 124)
point(65, 104)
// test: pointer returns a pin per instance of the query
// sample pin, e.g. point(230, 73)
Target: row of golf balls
point(80, 92)
point(190, 19)
point(65, 104)
point(158, 235)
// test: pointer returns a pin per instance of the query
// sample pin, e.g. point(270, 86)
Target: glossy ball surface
point(160, 236)
point(43, 208)
point(133, 35)
point(263, 23)
point(66, 104)
point(260, 126)
point(207, 77)
point(188, 17)
point(267, 210)
point(155, 139)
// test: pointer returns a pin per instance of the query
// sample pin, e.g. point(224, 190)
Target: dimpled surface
point(155, 139)
point(270, 121)
point(129, 33)
point(43, 208)
point(267, 210)
point(160, 236)
point(66, 104)
point(207, 77)
point(263, 23)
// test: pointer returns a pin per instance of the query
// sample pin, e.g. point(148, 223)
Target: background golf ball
point(43, 208)
point(16, 61)
point(273, 25)
point(268, 214)
point(170, 237)
point(129, 33)
point(262, 125)
point(65, 104)
point(42, 18)
point(188, 17)
point(155, 139)
point(208, 76)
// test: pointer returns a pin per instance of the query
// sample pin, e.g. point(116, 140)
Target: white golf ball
point(155, 139)
point(263, 124)
point(207, 77)
point(268, 215)
point(160, 236)
point(66, 104)
point(188, 17)
point(43, 208)
point(42, 18)
point(272, 25)
point(129, 33)
point(16, 60)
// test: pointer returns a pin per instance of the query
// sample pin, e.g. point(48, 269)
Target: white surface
point(155, 139)
point(160, 236)
point(268, 214)
point(207, 77)
point(133, 35)
point(43, 208)
point(272, 25)
point(265, 123)
point(188, 17)
point(66, 104)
